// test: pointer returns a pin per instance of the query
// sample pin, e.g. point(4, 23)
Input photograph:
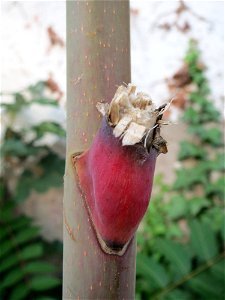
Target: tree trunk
point(98, 60)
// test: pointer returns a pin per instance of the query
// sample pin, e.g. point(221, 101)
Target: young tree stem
point(98, 60)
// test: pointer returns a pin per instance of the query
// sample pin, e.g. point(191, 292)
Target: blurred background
point(177, 51)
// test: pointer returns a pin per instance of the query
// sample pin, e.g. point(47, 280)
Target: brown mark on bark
point(69, 229)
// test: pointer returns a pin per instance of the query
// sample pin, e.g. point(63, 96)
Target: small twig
point(189, 276)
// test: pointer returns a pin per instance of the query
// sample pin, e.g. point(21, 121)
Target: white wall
point(156, 54)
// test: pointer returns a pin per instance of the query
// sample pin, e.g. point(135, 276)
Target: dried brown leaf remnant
point(181, 85)
point(177, 85)
point(181, 77)
point(134, 11)
point(134, 117)
point(54, 37)
point(179, 11)
point(54, 87)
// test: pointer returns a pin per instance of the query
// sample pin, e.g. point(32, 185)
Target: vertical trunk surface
point(98, 60)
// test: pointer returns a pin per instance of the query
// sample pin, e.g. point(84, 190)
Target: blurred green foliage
point(30, 267)
point(181, 240)
point(25, 270)
point(18, 151)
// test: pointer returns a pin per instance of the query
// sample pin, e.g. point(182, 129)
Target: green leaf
point(187, 178)
point(206, 286)
point(15, 107)
point(191, 116)
point(204, 89)
point(193, 54)
point(177, 295)
point(49, 127)
point(24, 186)
point(215, 164)
point(4, 231)
point(28, 252)
point(6, 213)
point(214, 217)
point(175, 254)
point(14, 147)
point(198, 77)
point(209, 113)
point(218, 163)
point(216, 188)
point(203, 240)
point(53, 167)
point(137, 295)
point(2, 190)
point(153, 220)
point(190, 150)
point(149, 268)
point(223, 231)
point(218, 270)
point(195, 204)
point(5, 248)
point(173, 230)
point(11, 278)
point(199, 100)
point(177, 207)
point(19, 292)
point(51, 176)
point(41, 283)
point(143, 285)
point(37, 90)
point(39, 267)
point(19, 223)
point(9, 262)
point(45, 101)
point(25, 235)
point(31, 267)
point(32, 251)
point(211, 136)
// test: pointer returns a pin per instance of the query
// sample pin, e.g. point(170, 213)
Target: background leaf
point(40, 283)
point(203, 240)
point(176, 254)
point(152, 270)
